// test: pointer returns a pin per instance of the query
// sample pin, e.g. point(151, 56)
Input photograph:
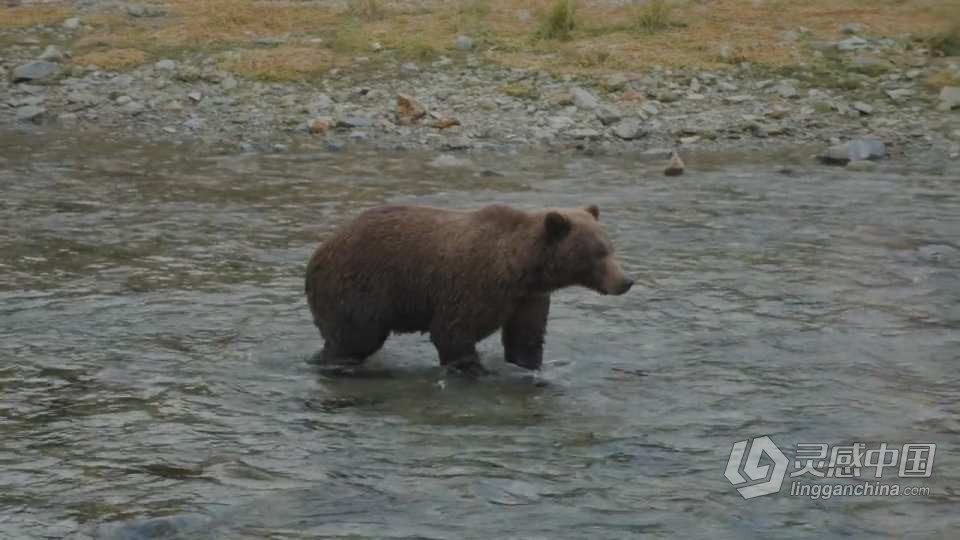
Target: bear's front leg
point(522, 335)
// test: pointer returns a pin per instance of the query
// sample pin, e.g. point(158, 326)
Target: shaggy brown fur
point(459, 275)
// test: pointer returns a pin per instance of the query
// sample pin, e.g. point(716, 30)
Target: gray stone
point(51, 54)
point(560, 122)
point(629, 129)
point(949, 98)
point(133, 108)
point(456, 143)
point(786, 91)
point(409, 66)
point(36, 72)
point(137, 10)
point(165, 65)
point(195, 96)
point(899, 93)
point(351, 122)
point(464, 43)
point(852, 44)
point(852, 28)
point(854, 150)
point(30, 113)
point(584, 133)
point(869, 65)
point(584, 99)
point(862, 108)
point(228, 83)
point(607, 114)
point(72, 23)
point(616, 82)
point(740, 98)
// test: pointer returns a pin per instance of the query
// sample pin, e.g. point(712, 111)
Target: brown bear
point(459, 275)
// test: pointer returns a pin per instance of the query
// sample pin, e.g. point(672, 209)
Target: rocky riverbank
point(461, 102)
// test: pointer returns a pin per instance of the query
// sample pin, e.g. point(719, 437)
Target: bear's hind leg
point(350, 348)
point(522, 335)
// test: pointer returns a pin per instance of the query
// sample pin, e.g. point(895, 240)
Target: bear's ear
point(557, 226)
point(594, 211)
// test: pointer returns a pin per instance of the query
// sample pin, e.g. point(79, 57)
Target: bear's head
point(578, 252)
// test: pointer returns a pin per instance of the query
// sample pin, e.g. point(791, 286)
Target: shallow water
point(153, 382)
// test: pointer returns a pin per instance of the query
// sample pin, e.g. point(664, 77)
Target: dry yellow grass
point(283, 63)
point(112, 59)
point(24, 16)
point(605, 37)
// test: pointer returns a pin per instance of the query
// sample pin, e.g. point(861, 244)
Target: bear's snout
point(624, 286)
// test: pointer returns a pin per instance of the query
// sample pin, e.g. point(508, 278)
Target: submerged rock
point(854, 150)
point(675, 167)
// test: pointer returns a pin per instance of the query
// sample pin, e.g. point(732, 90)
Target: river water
point(153, 334)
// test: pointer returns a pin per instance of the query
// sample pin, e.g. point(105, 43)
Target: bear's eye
point(600, 252)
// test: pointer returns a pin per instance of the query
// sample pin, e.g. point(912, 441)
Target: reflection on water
point(154, 332)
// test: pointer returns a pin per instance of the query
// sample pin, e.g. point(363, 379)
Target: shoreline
point(462, 103)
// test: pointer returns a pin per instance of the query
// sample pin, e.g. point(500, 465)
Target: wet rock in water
point(30, 113)
point(447, 161)
point(629, 129)
point(409, 110)
point(675, 167)
point(464, 43)
point(584, 99)
point(38, 71)
point(854, 150)
point(168, 527)
point(51, 54)
point(949, 98)
point(861, 166)
point(320, 125)
point(72, 23)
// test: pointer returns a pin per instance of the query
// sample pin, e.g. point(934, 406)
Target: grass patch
point(420, 50)
point(112, 59)
point(282, 63)
point(27, 16)
point(570, 38)
point(367, 10)
point(652, 16)
point(559, 22)
point(520, 90)
point(943, 78)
